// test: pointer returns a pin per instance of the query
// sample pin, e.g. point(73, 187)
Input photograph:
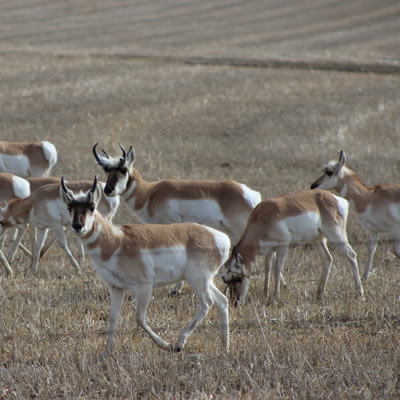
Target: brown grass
point(269, 128)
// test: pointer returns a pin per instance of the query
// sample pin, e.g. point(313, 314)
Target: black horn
point(96, 156)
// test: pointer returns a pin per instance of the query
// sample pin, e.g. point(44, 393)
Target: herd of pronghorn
point(191, 228)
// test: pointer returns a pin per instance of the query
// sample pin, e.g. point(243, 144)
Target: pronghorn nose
point(107, 190)
point(77, 226)
point(314, 185)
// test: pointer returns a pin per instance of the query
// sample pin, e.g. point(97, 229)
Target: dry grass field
point(79, 72)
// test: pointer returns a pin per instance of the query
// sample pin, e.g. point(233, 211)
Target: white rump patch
point(50, 152)
point(223, 243)
point(21, 187)
point(343, 206)
point(251, 196)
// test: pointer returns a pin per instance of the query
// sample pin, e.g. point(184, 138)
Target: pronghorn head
point(333, 171)
point(237, 276)
point(117, 169)
point(81, 206)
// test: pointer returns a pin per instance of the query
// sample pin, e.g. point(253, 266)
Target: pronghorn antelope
point(12, 187)
point(224, 205)
point(311, 216)
point(44, 210)
point(378, 206)
point(139, 257)
point(27, 158)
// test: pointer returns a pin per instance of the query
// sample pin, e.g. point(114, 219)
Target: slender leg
point(221, 303)
point(47, 246)
point(281, 253)
point(372, 242)
point(347, 250)
point(143, 297)
point(3, 238)
point(17, 240)
point(63, 242)
point(37, 245)
point(3, 258)
point(117, 298)
point(326, 259)
point(269, 260)
point(205, 302)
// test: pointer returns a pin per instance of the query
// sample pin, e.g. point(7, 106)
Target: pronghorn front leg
point(60, 235)
point(17, 240)
point(41, 235)
point(117, 298)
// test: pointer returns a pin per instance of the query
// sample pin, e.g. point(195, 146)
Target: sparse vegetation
point(268, 128)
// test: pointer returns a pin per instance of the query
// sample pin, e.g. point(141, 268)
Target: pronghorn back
point(27, 158)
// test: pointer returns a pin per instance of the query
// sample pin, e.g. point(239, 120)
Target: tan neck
point(141, 191)
point(103, 236)
point(351, 188)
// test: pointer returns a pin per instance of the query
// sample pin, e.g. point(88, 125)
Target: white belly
point(18, 165)
point(205, 212)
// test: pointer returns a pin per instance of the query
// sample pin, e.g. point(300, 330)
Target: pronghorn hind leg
point(206, 300)
point(221, 303)
point(3, 258)
point(372, 243)
point(351, 255)
point(281, 253)
point(326, 259)
point(143, 297)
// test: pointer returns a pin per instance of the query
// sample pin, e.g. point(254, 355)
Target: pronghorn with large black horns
point(140, 257)
point(303, 217)
point(27, 158)
point(44, 210)
point(224, 204)
point(378, 206)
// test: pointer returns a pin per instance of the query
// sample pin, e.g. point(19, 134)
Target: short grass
point(267, 128)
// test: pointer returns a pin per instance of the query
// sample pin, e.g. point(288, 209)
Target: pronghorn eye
point(124, 171)
point(92, 209)
point(329, 172)
point(69, 209)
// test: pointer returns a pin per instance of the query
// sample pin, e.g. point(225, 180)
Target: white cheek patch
point(88, 226)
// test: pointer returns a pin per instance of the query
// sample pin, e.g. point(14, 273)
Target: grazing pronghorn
point(224, 205)
point(139, 257)
point(378, 206)
point(12, 187)
point(27, 158)
point(310, 216)
point(44, 210)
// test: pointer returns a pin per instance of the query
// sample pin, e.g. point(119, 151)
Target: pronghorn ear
point(65, 194)
point(342, 160)
point(130, 157)
point(94, 194)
